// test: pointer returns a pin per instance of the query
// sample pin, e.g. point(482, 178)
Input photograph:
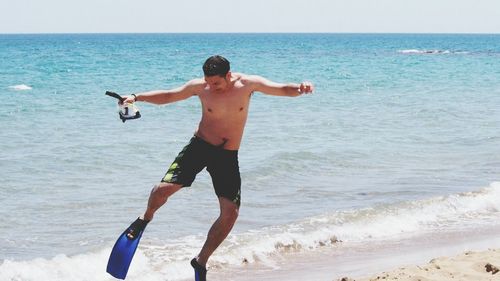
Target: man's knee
point(165, 189)
point(229, 213)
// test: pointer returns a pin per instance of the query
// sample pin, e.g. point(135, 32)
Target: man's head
point(217, 74)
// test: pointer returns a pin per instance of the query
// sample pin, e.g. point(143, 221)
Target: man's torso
point(224, 114)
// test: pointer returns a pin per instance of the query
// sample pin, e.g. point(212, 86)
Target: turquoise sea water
point(400, 137)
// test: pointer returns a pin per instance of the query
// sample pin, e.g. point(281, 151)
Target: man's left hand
point(306, 88)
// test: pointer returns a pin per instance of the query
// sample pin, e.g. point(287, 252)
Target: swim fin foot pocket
point(200, 272)
point(136, 228)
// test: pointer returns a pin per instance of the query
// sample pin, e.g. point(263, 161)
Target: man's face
point(216, 83)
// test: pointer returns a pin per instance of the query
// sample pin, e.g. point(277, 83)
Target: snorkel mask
point(127, 111)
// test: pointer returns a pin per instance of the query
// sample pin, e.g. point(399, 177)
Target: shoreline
point(361, 262)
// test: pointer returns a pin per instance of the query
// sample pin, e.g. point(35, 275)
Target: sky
point(331, 16)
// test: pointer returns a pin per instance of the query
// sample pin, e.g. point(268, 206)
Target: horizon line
point(249, 32)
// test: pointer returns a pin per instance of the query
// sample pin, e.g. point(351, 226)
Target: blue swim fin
point(124, 249)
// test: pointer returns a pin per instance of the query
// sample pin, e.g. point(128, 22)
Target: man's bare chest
point(226, 104)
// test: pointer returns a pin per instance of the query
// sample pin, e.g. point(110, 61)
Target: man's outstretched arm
point(263, 85)
point(167, 96)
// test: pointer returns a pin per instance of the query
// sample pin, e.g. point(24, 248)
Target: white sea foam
point(154, 261)
point(85, 267)
point(364, 225)
point(21, 87)
point(431, 52)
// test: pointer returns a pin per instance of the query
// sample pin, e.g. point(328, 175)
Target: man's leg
point(219, 230)
point(158, 197)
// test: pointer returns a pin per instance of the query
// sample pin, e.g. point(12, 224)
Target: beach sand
point(469, 266)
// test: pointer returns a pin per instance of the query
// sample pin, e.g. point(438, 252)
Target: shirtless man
point(225, 98)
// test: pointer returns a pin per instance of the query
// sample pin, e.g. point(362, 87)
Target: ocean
point(399, 142)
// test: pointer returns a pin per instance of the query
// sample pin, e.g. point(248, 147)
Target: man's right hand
point(128, 99)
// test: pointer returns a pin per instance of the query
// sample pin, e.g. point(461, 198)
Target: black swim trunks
point(220, 163)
